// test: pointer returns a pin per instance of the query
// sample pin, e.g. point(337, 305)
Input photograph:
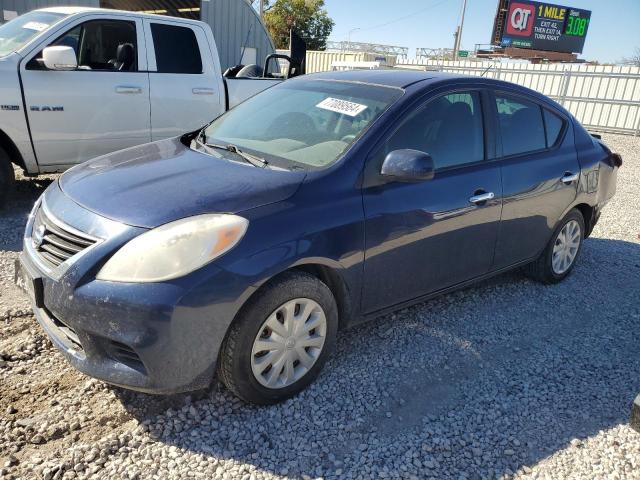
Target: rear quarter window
point(553, 127)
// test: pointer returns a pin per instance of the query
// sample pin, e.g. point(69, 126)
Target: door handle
point(126, 89)
point(202, 91)
point(481, 197)
point(569, 178)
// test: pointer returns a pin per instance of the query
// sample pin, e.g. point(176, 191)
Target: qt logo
point(520, 20)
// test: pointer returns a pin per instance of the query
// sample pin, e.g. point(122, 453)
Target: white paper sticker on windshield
point(37, 26)
point(342, 106)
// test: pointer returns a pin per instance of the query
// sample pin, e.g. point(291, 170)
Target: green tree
point(307, 17)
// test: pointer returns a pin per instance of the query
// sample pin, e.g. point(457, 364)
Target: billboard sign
point(544, 26)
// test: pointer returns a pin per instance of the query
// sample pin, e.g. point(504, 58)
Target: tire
point(543, 269)
point(7, 177)
point(250, 71)
point(290, 296)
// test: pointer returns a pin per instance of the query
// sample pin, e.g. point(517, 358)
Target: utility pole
point(455, 42)
point(261, 9)
point(458, 34)
point(349, 36)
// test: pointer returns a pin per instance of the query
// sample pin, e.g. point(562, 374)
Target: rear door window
point(521, 125)
point(176, 49)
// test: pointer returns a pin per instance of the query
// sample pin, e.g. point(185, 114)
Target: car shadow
point(483, 381)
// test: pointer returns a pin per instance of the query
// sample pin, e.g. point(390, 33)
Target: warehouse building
point(240, 35)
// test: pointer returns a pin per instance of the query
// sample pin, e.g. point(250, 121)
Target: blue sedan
point(244, 248)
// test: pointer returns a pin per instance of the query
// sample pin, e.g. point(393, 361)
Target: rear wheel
point(280, 341)
point(7, 177)
point(559, 257)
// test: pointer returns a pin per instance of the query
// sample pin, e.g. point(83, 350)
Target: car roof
point(109, 11)
point(68, 10)
point(398, 78)
point(387, 78)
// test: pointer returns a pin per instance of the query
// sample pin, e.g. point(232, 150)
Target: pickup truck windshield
point(307, 123)
point(19, 31)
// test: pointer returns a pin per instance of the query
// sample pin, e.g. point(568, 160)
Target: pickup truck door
point(184, 77)
point(102, 106)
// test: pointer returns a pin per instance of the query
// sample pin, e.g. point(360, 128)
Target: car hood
point(156, 183)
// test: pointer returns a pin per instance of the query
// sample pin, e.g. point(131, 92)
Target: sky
point(614, 30)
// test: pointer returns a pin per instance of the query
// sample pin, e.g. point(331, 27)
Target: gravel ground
point(509, 379)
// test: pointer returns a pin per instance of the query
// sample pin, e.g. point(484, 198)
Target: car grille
point(54, 242)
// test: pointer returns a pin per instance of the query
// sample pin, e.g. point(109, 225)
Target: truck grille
point(54, 242)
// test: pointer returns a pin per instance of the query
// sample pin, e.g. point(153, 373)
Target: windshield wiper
point(251, 159)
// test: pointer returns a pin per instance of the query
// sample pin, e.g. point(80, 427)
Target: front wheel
point(280, 341)
point(560, 255)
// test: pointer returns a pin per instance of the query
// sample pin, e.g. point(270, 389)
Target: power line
point(406, 16)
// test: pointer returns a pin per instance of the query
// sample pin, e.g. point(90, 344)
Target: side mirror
point(408, 166)
point(296, 57)
point(60, 58)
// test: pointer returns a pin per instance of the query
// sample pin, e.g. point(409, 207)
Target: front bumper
point(154, 337)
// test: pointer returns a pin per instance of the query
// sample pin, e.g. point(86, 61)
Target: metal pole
point(565, 87)
point(455, 42)
point(261, 9)
point(349, 36)
point(459, 31)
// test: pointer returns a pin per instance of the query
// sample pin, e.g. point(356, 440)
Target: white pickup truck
point(76, 83)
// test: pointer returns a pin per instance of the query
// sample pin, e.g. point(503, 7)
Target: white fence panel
point(603, 98)
point(321, 61)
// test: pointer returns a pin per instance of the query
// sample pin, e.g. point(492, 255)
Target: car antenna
point(486, 70)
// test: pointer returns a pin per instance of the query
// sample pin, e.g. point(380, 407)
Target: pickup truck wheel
point(280, 341)
point(560, 255)
point(7, 177)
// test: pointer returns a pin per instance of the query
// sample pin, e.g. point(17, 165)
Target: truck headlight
point(175, 249)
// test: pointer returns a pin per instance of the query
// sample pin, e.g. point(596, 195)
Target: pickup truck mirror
point(298, 52)
point(60, 58)
point(408, 166)
point(296, 57)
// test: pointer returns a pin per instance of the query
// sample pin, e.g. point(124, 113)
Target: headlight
point(174, 249)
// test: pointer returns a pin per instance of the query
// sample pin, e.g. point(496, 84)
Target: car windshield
point(19, 31)
point(307, 124)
